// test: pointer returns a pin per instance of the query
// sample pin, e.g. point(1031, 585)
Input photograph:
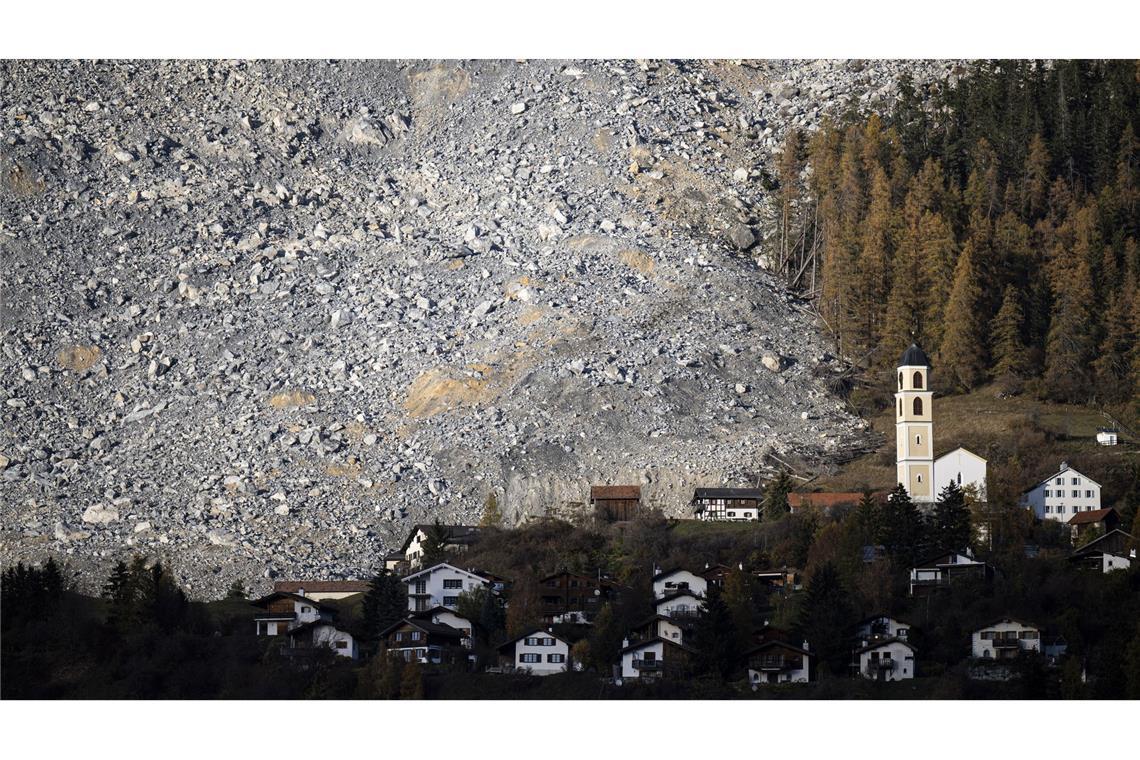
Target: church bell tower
point(914, 425)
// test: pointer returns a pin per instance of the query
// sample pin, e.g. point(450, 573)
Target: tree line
point(993, 221)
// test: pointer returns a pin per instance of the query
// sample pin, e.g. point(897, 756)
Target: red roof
point(615, 492)
point(1083, 518)
point(321, 587)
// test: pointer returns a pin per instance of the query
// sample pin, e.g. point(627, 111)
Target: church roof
point(914, 357)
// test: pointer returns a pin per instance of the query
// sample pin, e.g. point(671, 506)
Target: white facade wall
point(458, 622)
point(680, 580)
point(628, 658)
point(335, 639)
point(671, 631)
point(900, 654)
point(415, 551)
point(686, 604)
point(442, 584)
point(1062, 496)
point(1110, 562)
point(1028, 638)
point(542, 653)
point(963, 467)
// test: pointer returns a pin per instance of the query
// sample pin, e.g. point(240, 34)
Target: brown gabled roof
point(1084, 518)
point(321, 587)
point(615, 492)
point(455, 535)
point(263, 601)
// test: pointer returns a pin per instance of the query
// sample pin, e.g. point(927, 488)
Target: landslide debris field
point(259, 318)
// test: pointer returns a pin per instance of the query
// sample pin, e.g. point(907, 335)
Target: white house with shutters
point(881, 627)
point(676, 581)
point(886, 660)
point(539, 652)
point(1062, 495)
point(440, 586)
point(1005, 639)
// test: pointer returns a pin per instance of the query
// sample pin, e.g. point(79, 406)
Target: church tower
point(914, 425)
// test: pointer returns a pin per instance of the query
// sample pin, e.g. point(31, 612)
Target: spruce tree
point(384, 604)
point(961, 354)
point(715, 636)
point(434, 544)
point(902, 526)
point(824, 616)
point(775, 503)
point(950, 527)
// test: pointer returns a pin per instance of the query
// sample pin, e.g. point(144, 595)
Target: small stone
point(98, 514)
point(281, 509)
point(740, 175)
point(772, 362)
point(518, 108)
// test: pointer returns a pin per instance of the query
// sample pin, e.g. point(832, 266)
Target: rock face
point(281, 311)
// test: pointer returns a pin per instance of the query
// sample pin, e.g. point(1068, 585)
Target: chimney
point(301, 591)
point(1064, 465)
point(805, 647)
point(624, 643)
point(740, 565)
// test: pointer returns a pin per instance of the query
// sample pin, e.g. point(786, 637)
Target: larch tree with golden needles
point(1011, 357)
point(962, 351)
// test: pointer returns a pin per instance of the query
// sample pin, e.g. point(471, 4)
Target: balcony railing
point(648, 664)
point(274, 615)
point(1005, 643)
point(777, 663)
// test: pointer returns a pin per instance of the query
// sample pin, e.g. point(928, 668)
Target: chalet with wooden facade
point(946, 569)
point(281, 611)
point(1100, 521)
point(1115, 550)
point(775, 662)
point(615, 503)
point(573, 598)
point(656, 658)
point(320, 635)
point(424, 641)
point(728, 504)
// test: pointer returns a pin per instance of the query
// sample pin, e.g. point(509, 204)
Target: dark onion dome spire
point(914, 357)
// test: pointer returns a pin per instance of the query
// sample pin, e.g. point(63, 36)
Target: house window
point(421, 653)
point(901, 633)
point(1060, 481)
point(452, 583)
point(919, 477)
point(341, 644)
point(532, 641)
point(1088, 494)
point(548, 642)
point(421, 587)
point(918, 440)
point(1048, 509)
point(918, 407)
point(918, 383)
point(305, 609)
point(1076, 481)
point(1048, 493)
point(416, 635)
point(450, 601)
point(1076, 494)
point(732, 514)
point(649, 656)
point(556, 658)
point(530, 657)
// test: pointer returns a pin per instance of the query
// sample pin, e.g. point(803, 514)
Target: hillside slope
point(259, 318)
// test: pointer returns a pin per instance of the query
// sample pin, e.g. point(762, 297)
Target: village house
point(1062, 495)
point(1100, 522)
point(454, 538)
point(681, 605)
point(322, 591)
point(775, 662)
point(1107, 436)
point(615, 503)
point(282, 611)
point(440, 586)
point(678, 580)
point(889, 659)
point(572, 598)
point(655, 658)
point(1115, 550)
point(946, 569)
point(425, 641)
point(1005, 639)
point(881, 627)
point(538, 652)
point(728, 504)
point(783, 580)
point(445, 616)
point(318, 635)
point(659, 627)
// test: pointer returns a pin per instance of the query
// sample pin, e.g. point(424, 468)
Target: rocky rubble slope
point(260, 318)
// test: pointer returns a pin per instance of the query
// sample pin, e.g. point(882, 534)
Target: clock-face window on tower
point(917, 379)
point(918, 406)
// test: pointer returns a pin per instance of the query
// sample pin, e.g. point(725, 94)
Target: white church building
point(924, 476)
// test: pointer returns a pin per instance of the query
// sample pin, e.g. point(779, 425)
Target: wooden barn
point(616, 503)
